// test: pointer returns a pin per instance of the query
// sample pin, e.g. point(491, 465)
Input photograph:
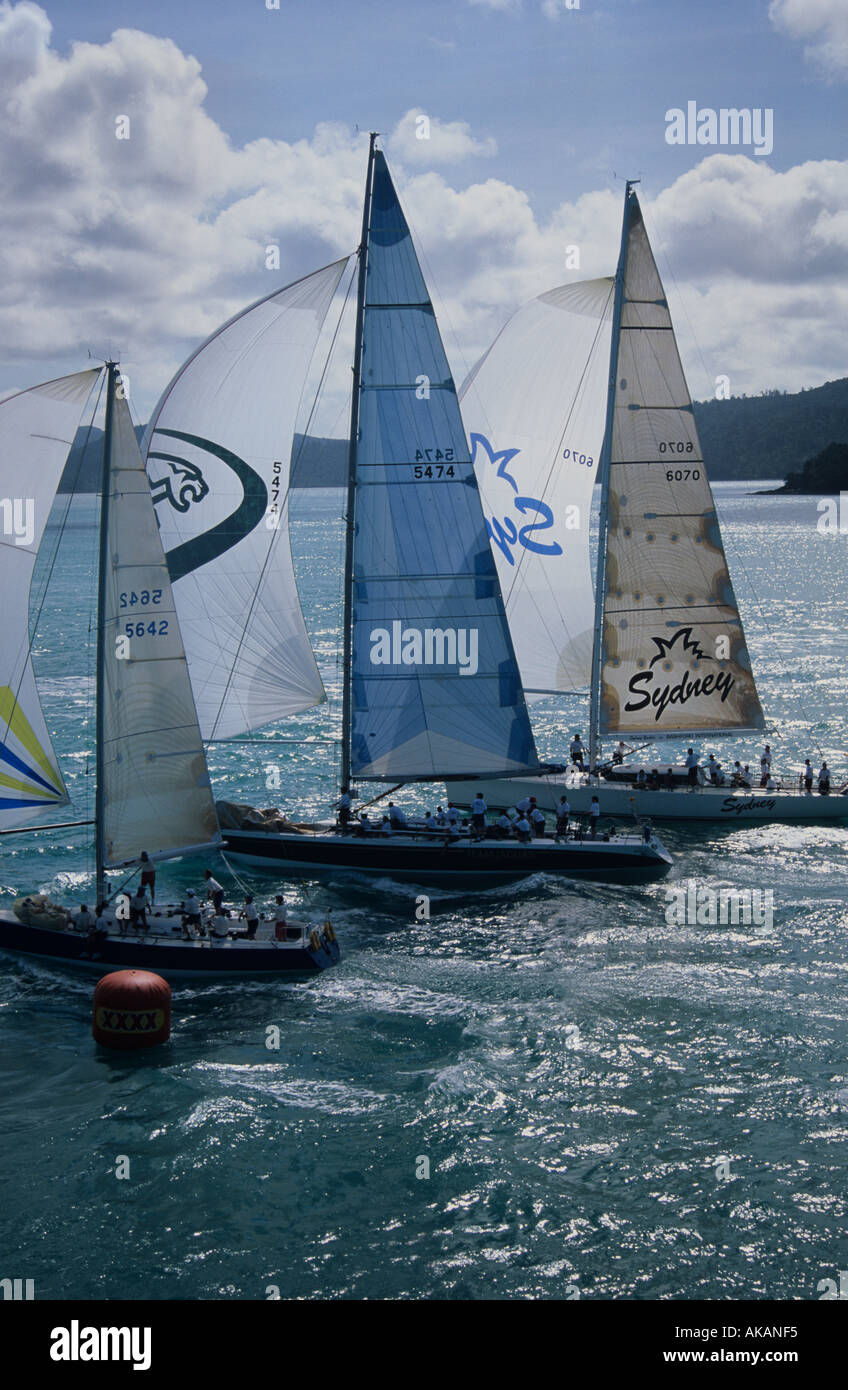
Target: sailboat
point(152, 782)
point(431, 690)
point(587, 381)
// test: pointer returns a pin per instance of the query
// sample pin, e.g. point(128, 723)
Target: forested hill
point(746, 437)
point(771, 435)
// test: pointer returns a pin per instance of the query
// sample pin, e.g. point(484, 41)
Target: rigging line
point(283, 506)
point(241, 882)
point(677, 291)
point(784, 668)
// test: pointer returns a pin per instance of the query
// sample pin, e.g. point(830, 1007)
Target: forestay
point(534, 405)
point(436, 690)
point(674, 654)
point(218, 453)
point(156, 790)
point(37, 428)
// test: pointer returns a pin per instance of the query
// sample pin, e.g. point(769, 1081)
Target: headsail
point(674, 658)
point(156, 794)
point(436, 690)
point(534, 405)
point(37, 428)
point(218, 450)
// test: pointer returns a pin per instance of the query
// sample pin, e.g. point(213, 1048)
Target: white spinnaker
point(534, 407)
point(157, 795)
point(37, 428)
point(674, 653)
point(218, 452)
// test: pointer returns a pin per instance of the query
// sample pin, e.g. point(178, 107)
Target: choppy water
point(573, 1068)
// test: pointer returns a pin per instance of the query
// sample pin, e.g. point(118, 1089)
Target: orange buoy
point(132, 1008)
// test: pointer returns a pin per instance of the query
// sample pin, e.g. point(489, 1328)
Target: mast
point(105, 489)
point(347, 621)
point(604, 470)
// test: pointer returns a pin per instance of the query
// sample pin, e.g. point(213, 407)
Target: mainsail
point(534, 405)
point(218, 450)
point(673, 656)
point(37, 428)
point(435, 684)
point(155, 792)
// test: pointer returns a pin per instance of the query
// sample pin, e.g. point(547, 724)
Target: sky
point(151, 152)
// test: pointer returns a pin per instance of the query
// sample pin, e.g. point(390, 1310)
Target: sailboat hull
point(419, 860)
point(622, 802)
point(172, 958)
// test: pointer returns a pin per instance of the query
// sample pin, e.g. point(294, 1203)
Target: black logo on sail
point(186, 485)
point(644, 685)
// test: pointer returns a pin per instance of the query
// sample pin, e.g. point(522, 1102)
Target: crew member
point(250, 914)
point(148, 874)
point(280, 924)
point(692, 768)
point(214, 891)
point(478, 814)
point(343, 807)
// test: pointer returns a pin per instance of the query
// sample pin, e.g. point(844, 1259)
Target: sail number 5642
point(145, 598)
point(152, 629)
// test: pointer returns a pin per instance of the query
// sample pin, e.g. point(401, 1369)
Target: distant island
point(826, 472)
point(317, 462)
point(744, 439)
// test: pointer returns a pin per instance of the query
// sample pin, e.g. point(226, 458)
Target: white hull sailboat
point(152, 782)
point(587, 380)
point(625, 800)
point(431, 689)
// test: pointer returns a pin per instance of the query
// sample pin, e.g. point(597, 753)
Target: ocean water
point(546, 1091)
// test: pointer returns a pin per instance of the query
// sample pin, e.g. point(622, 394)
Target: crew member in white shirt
point(478, 814)
point(250, 913)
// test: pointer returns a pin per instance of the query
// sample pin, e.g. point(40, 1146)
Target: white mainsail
point(534, 406)
point(37, 428)
point(155, 785)
point(218, 453)
point(674, 658)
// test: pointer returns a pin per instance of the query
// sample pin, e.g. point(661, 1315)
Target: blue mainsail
point(435, 684)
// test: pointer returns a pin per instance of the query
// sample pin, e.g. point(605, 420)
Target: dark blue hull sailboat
point(431, 684)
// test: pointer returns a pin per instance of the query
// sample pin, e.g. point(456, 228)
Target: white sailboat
point(661, 644)
point(152, 782)
point(431, 688)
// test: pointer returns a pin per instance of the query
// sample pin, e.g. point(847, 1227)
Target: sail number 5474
point(434, 463)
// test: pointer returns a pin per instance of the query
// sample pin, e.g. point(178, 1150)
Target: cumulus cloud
point(144, 245)
point(423, 139)
point(824, 22)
